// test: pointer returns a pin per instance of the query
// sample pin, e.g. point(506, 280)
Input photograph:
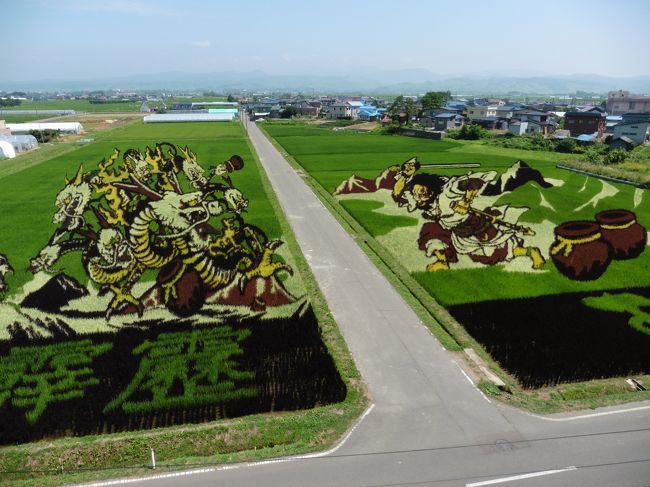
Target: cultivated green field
point(27, 204)
point(21, 118)
point(331, 157)
point(557, 343)
point(28, 196)
point(79, 106)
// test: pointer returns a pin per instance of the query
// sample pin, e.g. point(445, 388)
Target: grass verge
point(564, 397)
point(249, 438)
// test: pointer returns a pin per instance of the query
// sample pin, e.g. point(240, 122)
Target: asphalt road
point(429, 425)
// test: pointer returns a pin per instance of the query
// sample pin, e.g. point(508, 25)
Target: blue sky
point(83, 39)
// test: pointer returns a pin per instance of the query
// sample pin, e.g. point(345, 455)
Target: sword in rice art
point(497, 221)
point(460, 165)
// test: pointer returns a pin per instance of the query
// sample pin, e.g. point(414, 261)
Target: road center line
point(521, 477)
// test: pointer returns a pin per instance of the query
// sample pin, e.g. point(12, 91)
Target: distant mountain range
point(363, 80)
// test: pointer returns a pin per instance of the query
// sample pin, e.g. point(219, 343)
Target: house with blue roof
point(370, 113)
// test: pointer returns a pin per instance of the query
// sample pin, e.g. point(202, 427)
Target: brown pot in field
point(621, 230)
point(579, 250)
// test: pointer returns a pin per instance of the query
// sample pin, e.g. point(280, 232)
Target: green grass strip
point(249, 438)
point(452, 335)
point(434, 316)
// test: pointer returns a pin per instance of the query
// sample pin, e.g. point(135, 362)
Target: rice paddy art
point(182, 315)
point(477, 229)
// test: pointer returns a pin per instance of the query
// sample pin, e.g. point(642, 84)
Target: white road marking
point(465, 374)
point(152, 477)
point(234, 467)
point(594, 415)
point(331, 451)
point(472, 382)
point(521, 477)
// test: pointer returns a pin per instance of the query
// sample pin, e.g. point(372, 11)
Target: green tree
point(396, 108)
point(288, 111)
point(9, 102)
point(402, 110)
point(616, 156)
point(567, 145)
point(468, 132)
point(434, 99)
point(411, 110)
point(43, 136)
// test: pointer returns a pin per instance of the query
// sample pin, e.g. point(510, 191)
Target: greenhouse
point(6, 150)
point(20, 143)
point(65, 127)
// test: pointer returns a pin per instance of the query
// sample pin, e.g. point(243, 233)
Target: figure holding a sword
point(487, 236)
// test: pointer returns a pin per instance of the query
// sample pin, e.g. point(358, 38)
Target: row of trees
point(9, 102)
point(404, 109)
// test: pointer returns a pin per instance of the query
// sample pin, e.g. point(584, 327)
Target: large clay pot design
point(621, 230)
point(579, 250)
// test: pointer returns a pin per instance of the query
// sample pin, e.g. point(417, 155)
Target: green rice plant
point(375, 223)
point(28, 196)
point(200, 363)
point(34, 377)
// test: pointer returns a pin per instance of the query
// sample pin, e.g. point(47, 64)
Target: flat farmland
point(79, 106)
point(247, 346)
point(28, 196)
point(507, 307)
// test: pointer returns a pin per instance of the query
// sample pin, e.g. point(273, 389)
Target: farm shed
point(20, 143)
point(6, 150)
point(64, 127)
point(188, 117)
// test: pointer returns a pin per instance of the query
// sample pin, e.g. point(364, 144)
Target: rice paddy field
point(79, 106)
point(71, 368)
point(543, 326)
point(28, 196)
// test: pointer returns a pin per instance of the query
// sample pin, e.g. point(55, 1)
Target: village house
point(442, 121)
point(480, 111)
point(346, 110)
point(636, 117)
point(370, 113)
point(636, 132)
point(517, 128)
point(620, 102)
point(491, 123)
point(580, 123)
point(622, 142)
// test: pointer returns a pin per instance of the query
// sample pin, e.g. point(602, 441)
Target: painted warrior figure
point(487, 236)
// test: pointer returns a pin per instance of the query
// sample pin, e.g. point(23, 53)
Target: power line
point(481, 445)
point(344, 455)
point(501, 474)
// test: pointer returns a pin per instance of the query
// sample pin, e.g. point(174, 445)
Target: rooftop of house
point(584, 114)
point(445, 115)
point(587, 137)
point(632, 123)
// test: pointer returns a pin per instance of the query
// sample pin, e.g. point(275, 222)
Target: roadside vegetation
point(328, 158)
point(28, 206)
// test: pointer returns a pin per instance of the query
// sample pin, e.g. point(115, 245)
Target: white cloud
point(201, 44)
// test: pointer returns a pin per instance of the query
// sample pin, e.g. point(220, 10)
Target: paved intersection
point(428, 425)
